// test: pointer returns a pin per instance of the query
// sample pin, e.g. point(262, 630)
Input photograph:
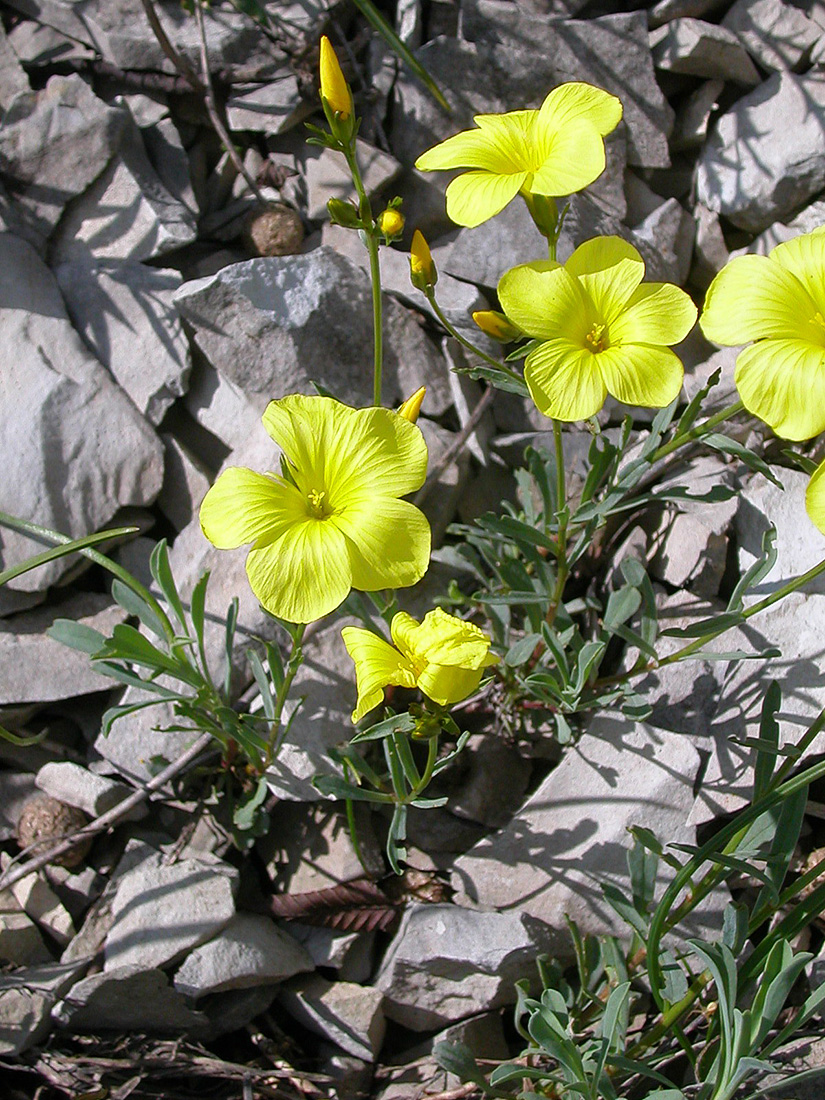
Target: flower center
point(596, 339)
point(318, 504)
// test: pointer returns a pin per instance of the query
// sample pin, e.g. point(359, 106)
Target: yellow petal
point(783, 383)
point(377, 664)
point(638, 374)
point(447, 640)
point(474, 197)
point(500, 145)
point(564, 381)
point(410, 408)
point(574, 159)
point(447, 685)
point(609, 270)
point(423, 273)
point(387, 542)
point(545, 301)
point(804, 257)
point(576, 100)
point(656, 313)
point(334, 87)
point(754, 297)
point(304, 574)
point(815, 497)
point(243, 506)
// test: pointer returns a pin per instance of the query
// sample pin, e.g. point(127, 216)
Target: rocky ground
point(150, 309)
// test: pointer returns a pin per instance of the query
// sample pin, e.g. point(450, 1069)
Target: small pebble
point(47, 820)
point(275, 230)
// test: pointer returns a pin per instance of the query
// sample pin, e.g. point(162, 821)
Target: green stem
point(47, 535)
point(371, 240)
point(697, 432)
point(562, 568)
point(432, 756)
point(296, 659)
point(467, 343)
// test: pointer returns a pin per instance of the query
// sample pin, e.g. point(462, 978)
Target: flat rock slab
point(697, 48)
point(73, 447)
point(273, 326)
point(347, 1014)
point(250, 950)
point(126, 998)
point(26, 1000)
point(446, 963)
point(572, 833)
point(766, 155)
point(162, 911)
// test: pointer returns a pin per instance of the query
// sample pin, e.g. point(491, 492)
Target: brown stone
point(44, 821)
point(275, 230)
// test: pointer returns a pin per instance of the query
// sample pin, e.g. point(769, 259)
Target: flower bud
point(412, 406)
point(423, 274)
point(391, 223)
point(495, 324)
point(334, 89)
point(343, 213)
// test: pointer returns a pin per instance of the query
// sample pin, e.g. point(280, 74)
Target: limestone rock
point(697, 48)
point(778, 35)
point(20, 942)
point(26, 1000)
point(349, 1015)
point(250, 950)
point(125, 998)
point(77, 786)
point(73, 447)
point(13, 79)
point(326, 176)
point(269, 108)
point(766, 155)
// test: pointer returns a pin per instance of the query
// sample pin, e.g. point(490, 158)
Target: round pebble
point(275, 230)
point(46, 820)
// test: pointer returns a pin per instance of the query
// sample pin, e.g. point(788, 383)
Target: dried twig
point(456, 446)
point(111, 817)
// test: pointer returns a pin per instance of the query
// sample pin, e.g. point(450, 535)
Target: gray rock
point(250, 950)
point(73, 446)
point(272, 326)
point(38, 44)
point(481, 795)
point(20, 942)
point(710, 250)
point(349, 1015)
point(127, 213)
point(270, 108)
point(812, 217)
point(348, 953)
point(766, 155)
point(235, 1009)
point(799, 545)
point(16, 788)
point(185, 482)
point(124, 312)
point(690, 127)
point(326, 176)
point(571, 834)
point(665, 240)
point(125, 998)
point(697, 48)
point(138, 742)
point(308, 847)
point(13, 79)
point(610, 51)
point(220, 407)
point(36, 668)
point(26, 1000)
point(162, 911)
point(40, 902)
point(54, 142)
point(446, 963)
point(778, 35)
point(76, 786)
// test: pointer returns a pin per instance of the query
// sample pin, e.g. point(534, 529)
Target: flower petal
point(564, 381)
point(804, 256)
point(783, 383)
point(754, 297)
point(345, 451)
point(573, 159)
point(448, 640)
point(243, 506)
point(815, 497)
point(639, 374)
point(657, 313)
point(577, 100)
point(446, 685)
point(303, 575)
point(377, 664)
point(499, 145)
point(474, 197)
point(610, 270)
point(387, 542)
point(544, 301)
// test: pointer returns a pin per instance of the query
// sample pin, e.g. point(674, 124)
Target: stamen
point(317, 507)
point(596, 338)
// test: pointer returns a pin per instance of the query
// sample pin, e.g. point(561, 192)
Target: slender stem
point(296, 659)
point(432, 756)
point(370, 232)
point(177, 59)
point(697, 432)
point(467, 343)
point(111, 817)
point(455, 447)
point(562, 568)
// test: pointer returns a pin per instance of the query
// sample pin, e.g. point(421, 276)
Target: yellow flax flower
point(410, 408)
point(553, 151)
point(335, 520)
point(778, 302)
point(597, 329)
point(334, 88)
point(815, 497)
point(423, 273)
point(442, 656)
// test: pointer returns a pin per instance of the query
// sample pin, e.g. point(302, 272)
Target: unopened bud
point(334, 88)
point(495, 324)
point(423, 274)
point(343, 213)
point(391, 223)
point(412, 406)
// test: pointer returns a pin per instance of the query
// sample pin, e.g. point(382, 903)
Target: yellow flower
point(334, 88)
point(496, 325)
point(412, 406)
point(391, 222)
point(598, 328)
point(815, 497)
point(423, 274)
point(443, 656)
point(553, 151)
point(778, 302)
point(334, 522)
